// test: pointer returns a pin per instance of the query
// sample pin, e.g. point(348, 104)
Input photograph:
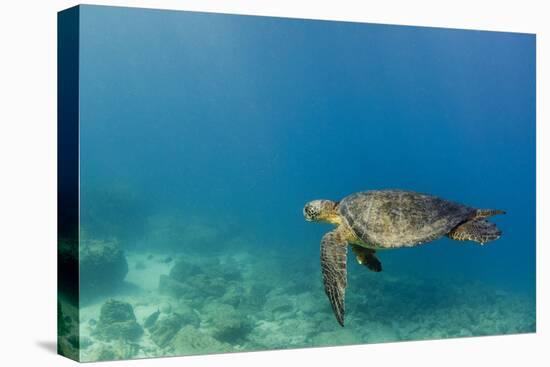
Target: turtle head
point(321, 211)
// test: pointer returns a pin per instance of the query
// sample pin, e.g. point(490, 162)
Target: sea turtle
point(386, 219)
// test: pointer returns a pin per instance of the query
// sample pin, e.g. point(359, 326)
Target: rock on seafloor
point(117, 321)
point(103, 266)
point(190, 341)
point(226, 323)
point(165, 329)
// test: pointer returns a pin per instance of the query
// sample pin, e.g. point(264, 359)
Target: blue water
point(232, 123)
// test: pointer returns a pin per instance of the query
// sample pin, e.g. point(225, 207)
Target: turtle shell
point(396, 218)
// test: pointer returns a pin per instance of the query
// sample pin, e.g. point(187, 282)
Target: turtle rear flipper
point(367, 257)
point(478, 230)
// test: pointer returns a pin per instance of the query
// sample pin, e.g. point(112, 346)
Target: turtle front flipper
point(478, 230)
point(367, 257)
point(333, 266)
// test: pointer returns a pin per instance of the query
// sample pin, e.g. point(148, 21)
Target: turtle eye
point(310, 211)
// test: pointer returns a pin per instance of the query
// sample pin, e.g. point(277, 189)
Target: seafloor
point(239, 297)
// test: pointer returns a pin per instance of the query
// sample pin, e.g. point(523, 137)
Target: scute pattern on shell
point(396, 218)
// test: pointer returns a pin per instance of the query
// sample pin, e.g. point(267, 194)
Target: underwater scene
point(202, 137)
